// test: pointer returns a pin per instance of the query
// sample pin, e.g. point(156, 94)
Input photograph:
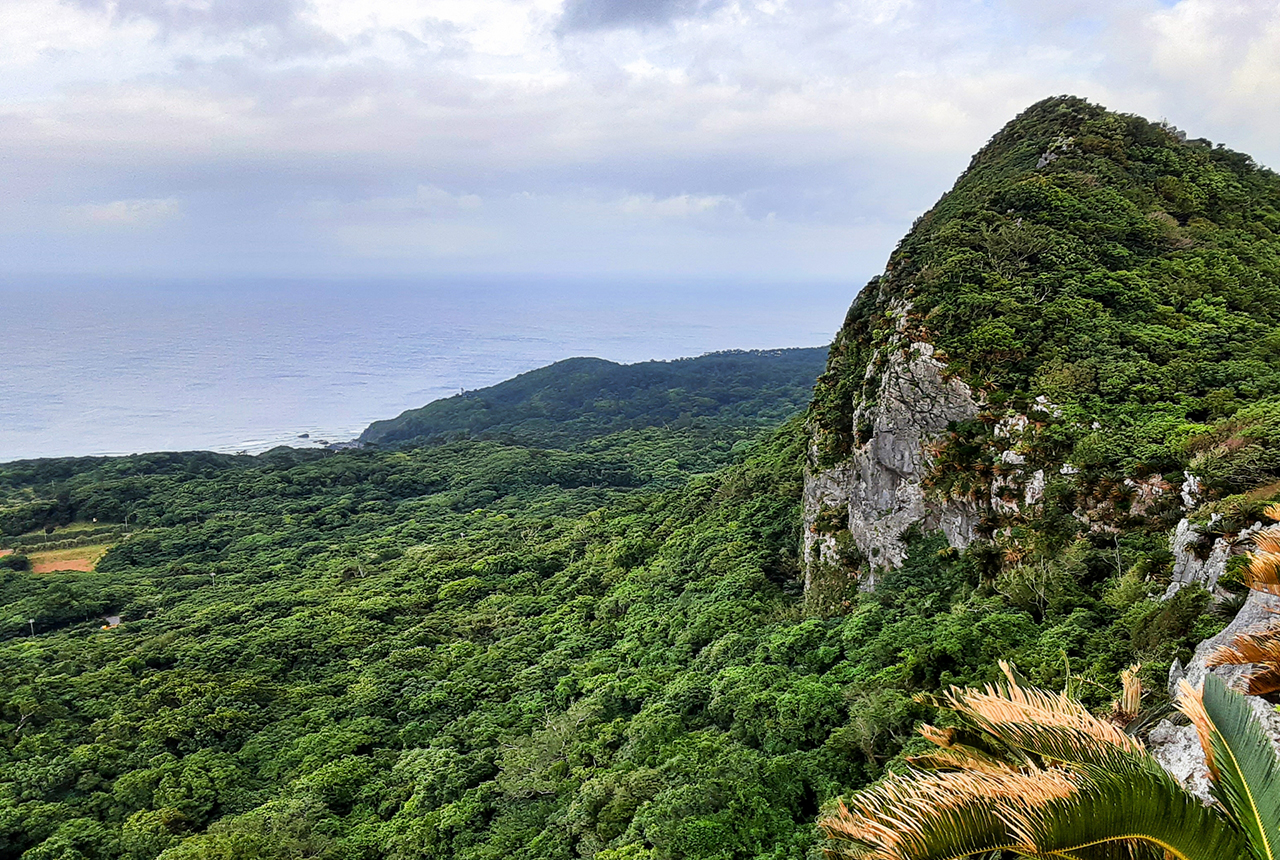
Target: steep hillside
point(1079, 344)
point(581, 398)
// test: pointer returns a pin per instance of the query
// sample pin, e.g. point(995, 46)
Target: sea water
point(117, 367)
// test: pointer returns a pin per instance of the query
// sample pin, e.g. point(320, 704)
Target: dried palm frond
point(959, 757)
point(1040, 721)
point(1267, 539)
point(1125, 709)
point(1263, 571)
point(941, 737)
point(1261, 648)
point(1137, 811)
point(1192, 705)
point(905, 817)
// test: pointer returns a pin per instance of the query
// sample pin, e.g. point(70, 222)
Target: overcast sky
point(771, 139)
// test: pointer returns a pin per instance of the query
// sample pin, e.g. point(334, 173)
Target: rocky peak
point(1020, 375)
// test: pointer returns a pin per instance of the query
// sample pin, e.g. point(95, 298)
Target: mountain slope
point(581, 398)
point(1088, 317)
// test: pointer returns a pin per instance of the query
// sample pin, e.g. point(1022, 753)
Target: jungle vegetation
point(571, 624)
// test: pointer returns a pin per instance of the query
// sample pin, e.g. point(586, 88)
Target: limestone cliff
point(857, 512)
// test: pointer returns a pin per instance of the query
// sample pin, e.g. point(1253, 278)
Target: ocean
point(118, 367)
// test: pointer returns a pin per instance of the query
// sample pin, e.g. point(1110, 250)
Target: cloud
point(429, 135)
point(124, 213)
point(608, 14)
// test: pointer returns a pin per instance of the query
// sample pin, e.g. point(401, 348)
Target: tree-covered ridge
point(580, 398)
point(481, 651)
point(1106, 263)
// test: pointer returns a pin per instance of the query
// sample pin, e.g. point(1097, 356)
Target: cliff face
point(1053, 355)
point(874, 496)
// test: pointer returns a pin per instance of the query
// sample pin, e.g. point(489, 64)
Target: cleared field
point(83, 558)
point(4, 552)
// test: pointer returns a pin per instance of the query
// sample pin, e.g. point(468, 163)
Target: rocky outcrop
point(877, 494)
point(1176, 747)
point(1178, 750)
point(1259, 611)
point(1188, 567)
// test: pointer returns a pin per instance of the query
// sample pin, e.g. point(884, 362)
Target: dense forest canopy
point(581, 398)
point(568, 622)
point(477, 650)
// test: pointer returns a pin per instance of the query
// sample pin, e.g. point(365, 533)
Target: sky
point(753, 139)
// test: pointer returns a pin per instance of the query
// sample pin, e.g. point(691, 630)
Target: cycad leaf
point(1248, 783)
point(929, 817)
point(1067, 744)
point(1031, 718)
point(1090, 814)
point(1261, 649)
point(1138, 805)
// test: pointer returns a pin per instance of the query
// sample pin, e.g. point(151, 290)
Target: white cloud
point(124, 213)
point(489, 133)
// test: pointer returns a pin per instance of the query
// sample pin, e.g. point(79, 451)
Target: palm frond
point(941, 737)
point(1135, 807)
point(946, 815)
point(1246, 768)
point(958, 757)
point(1040, 721)
point(1262, 681)
point(1263, 571)
point(1272, 511)
point(1192, 706)
point(1086, 814)
point(1261, 648)
point(1267, 540)
point(1125, 709)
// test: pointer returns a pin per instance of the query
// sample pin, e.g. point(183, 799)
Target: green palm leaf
point(1137, 806)
point(1086, 814)
point(1248, 771)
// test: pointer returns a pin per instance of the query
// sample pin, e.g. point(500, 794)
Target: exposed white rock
point(1178, 750)
point(1190, 492)
point(880, 486)
point(1047, 405)
point(1188, 568)
point(1176, 747)
point(1259, 611)
point(1035, 488)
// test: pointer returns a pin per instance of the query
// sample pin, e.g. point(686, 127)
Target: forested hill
point(1090, 318)
point(582, 398)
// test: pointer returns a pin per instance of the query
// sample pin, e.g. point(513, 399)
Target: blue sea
point(117, 367)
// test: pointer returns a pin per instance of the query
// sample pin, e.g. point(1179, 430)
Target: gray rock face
point(1258, 613)
point(1187, 567)
point(1176, 747)
point(1178, 750)
point(880, 487)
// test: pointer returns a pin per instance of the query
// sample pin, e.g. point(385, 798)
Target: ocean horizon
point(103, 367)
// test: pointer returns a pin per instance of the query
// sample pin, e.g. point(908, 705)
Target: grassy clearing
point(83, 558)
